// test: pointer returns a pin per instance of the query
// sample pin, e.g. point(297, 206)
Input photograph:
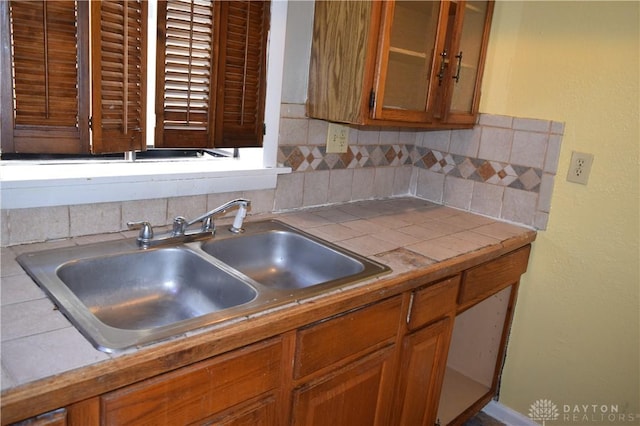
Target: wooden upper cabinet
point(398, 63)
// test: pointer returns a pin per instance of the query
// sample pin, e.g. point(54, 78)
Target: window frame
point(27, 184)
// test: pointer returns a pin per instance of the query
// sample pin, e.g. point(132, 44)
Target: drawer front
point(433, 302)
point(322, 344)
point(196, 392)
point(493, 276)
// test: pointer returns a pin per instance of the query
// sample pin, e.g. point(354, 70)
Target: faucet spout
point(242, 204)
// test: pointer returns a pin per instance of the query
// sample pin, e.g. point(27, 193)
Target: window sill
point(28, 184)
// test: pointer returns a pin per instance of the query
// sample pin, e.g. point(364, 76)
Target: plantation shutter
point(185, 71)
point(45, 89)
point(241, 81)
point(118, 74)
point(211, 73)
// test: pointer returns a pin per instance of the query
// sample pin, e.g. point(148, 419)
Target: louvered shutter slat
point(44, 107)
point(31, 48)
point(118, 75)
point(184, 73)
point(241, 114)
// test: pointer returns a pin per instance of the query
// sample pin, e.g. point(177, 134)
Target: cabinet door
point(358, 394)
point(466, 48)
point(424, 356)
point(408, 43)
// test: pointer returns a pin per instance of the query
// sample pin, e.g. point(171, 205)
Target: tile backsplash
point(503, 168)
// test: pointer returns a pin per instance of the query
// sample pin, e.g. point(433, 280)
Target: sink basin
point(151, 289)
point(284, 258)
point(120, 296)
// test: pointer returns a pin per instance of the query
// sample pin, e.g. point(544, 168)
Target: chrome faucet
point(180, 225)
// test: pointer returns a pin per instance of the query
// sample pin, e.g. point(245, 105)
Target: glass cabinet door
point(406, 55)
point(466, 59)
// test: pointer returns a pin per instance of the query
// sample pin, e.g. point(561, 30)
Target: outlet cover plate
point(337, 138)
point(580, 167)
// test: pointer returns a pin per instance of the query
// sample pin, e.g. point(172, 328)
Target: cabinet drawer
point(322, 344)
point(196, 392)
point(433, 302)
point(490, 277)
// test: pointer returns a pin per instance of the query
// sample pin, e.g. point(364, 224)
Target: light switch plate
point(337, 138)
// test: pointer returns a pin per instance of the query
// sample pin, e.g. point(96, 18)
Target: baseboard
point(507, 415)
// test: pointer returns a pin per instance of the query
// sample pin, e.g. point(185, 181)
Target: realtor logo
point(543, 410)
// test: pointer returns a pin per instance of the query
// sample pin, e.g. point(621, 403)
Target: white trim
point(275, 71)
point(507, 415)
point(66, 184)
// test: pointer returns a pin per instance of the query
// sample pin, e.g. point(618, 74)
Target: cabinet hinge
point(372, 99)
point(90, 123)
point(264, 129)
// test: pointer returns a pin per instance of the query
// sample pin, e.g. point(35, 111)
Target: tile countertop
point(412, 236)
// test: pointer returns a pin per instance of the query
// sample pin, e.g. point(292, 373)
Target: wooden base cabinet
point(429, 355)
point(479, 339)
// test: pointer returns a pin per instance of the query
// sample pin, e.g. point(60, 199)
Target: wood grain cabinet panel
point(424, 357)
point(346, 336)
point(198, 392)
point(433, 302)
point(484, 280)
point(357, 395)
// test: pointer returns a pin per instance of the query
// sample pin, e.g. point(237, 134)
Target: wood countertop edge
point(76, 385)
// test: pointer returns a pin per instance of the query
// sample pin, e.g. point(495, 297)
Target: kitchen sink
point(284, 259)
point(149, 289)
point(119, 295)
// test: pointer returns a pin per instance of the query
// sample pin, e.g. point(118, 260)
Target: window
point(210, 84)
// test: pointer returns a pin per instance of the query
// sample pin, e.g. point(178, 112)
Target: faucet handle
point(179, 226)
point(208, 225)
point(146, 231)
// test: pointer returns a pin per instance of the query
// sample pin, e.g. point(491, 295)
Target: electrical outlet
point(580, 167)
point(337, 138)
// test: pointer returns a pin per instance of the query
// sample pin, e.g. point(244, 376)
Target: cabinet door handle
point(457, 76)
point(443, 66)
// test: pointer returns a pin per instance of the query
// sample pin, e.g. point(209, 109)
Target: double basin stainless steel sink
point(120, 296)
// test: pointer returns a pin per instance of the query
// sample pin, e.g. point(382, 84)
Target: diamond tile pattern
point(315, 157)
